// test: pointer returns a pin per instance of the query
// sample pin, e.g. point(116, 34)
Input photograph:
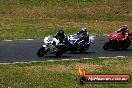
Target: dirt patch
point(130, 14)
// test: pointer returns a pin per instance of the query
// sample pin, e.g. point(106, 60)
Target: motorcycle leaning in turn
point(53, 46)
point(116, 41)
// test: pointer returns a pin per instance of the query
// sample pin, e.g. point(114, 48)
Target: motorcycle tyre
point(41, 52)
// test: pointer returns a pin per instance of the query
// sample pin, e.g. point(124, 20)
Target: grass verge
point(39, 28)
point(62, 74)
point(39, 18)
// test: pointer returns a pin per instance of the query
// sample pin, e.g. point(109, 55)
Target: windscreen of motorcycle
point(73, 38)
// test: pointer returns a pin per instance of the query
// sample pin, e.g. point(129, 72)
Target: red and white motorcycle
point(116, 41)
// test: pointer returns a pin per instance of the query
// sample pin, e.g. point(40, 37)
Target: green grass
point(39, 18)
point(62, 74)
point(39, 28)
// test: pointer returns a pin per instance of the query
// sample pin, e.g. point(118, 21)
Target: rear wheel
point(106, 46)
point(61, 49)
point(41, 52)
point(126, 44)
point(82, 49)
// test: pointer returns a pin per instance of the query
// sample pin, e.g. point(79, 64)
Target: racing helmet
point(83, 29)
point(61, 32)
point(124, 26)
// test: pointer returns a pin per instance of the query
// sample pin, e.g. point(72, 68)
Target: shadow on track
point(111, 50)
point(68, 55)
point(81, 52)
point(55, 57)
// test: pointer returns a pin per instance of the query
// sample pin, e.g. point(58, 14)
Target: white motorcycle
point(51, 45)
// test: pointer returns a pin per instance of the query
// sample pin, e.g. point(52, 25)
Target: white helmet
point(124, 26)
point(83, 29)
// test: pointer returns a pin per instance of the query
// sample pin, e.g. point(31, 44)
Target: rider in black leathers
point(60, 35)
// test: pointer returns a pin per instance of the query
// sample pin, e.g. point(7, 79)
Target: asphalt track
point(25, 51)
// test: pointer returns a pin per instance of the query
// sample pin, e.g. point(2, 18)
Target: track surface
point(24, 51)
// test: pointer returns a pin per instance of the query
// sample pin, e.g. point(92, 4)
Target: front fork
point(46, 48)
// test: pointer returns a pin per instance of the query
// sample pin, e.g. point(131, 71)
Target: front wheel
point(41, 52)
point(106, 46)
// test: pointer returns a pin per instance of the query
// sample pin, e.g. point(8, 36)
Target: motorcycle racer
point(124, 31)
point(119, 39)
point(85, 36)
point(60, 35)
